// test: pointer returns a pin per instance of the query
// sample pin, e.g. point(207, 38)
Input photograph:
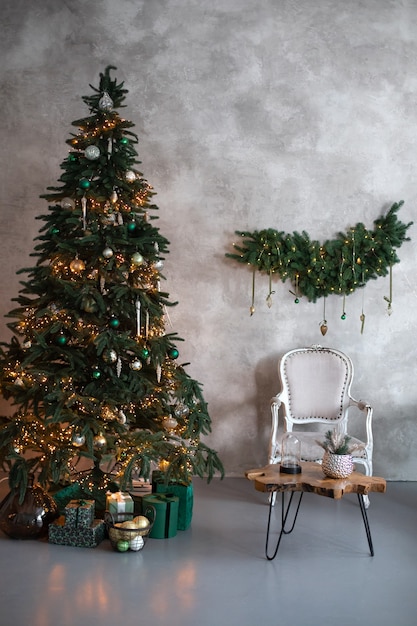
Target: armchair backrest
point(316, 386)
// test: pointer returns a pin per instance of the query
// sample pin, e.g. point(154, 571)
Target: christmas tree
point(98, 394)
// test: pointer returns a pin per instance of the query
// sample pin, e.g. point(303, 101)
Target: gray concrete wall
point(289, 114)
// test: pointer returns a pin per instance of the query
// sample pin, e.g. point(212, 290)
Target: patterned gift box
point(165, 524)
point(82, 537)
point(119, 502)
point(79, 513)
point(184, 492)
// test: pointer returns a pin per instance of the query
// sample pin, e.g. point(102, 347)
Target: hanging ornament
point(84, 211)
point(110, 356)
point(173, 353)
point(295, 293)
point(77, 265)
point(105, 103)
point(158, 265)
point(78, 440)
point(130, 176)
point(124, 141)
point(144, 353)
point(108, 219)
point(252, 306)
point(181, 410)
point(170, 423)
point(131, 227)
point(99, 442)
point(84, 183)
point(61, 339)
point(114, 197)
point(89, 305)
point(119, 367)
point(389, 298)
point(146, 324)
point(158, 373)
point(271, 293)
point(92, 153)
point(323, 324)
point(96, 373)
point(114, 323)
point(67, 203)
point(343, 316)
point(137, 259)
point(137, 307)
point(107, 253)
point(136, 365)
point(122, 417)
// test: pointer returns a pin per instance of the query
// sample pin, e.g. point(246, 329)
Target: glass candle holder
point(290, 454)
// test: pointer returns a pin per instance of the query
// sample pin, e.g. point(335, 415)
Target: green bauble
point(124, 141)
point(131, 227)
point(145, 353)
point(114, 323)
point(173, 353)
point(96, 373)
point(343, 316)
point(61, 340)
point(84, 183)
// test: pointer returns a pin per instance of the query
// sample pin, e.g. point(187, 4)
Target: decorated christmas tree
point(98, 393)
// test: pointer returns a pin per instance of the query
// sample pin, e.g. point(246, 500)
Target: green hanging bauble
point(173, 353)
point(84, 183)
point(114, 323)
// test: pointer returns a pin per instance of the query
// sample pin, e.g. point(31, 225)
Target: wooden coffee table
point(269, 479)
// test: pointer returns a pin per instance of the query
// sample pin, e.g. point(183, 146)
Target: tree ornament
point(136, 365)
point(77, 265)
point(122, 417)
point(54, 230)
point(67, 203)
point(107, 253)
point(110, 356)
point(114, 323)
point(323, 327)
point(78, 440)
point(181, 410)
point(114, 197)
point(99, 442)
point(108, 219)
point(158, 265)
point(173, 353)
point(61, 339)
point(137, 259)
point(170, 423)
point(131, 227)
point(89, 305)
point(124, 141)
point(96, 373)
point(144, 353)
point(105, 103)
point(84, 183)
point(130, 176)
point(92, 153)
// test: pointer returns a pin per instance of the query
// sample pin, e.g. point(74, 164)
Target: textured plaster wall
point(290, 114)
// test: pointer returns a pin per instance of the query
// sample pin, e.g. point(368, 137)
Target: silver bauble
point(92, 153)
point(78, 440)
point(107, 253)
point(105, 103)
point(136, 365)
point(99, 442)
point(137, 258)
point(67, 203)
point(130, 176)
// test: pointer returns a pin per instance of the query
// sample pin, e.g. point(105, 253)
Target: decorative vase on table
point(337, 465)
point(30, 518)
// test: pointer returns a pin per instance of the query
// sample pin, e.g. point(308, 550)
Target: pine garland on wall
point(316, 270)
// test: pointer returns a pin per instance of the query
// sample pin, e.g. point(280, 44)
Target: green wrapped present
point(184, 492)
point(79, 513)
point(119, 502)
point(82, 537)
point(166, 514)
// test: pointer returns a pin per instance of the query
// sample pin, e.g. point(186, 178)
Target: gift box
point(184, 492)
point(59, 532)
point(79, 513)
point(165, 524)
point(119, 502)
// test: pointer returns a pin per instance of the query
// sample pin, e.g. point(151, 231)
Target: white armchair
point(316, 386)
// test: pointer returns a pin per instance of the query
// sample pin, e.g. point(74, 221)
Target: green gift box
point(79, 513)
point(81, 537)
point(184, 492)
point(119, 502)
point(166, 514)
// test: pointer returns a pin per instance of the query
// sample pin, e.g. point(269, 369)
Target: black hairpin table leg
point(284, 515)
point(366, 522)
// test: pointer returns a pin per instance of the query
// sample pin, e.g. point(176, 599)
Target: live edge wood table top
point(311, 479)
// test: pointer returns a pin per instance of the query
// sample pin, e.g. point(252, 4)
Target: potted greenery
point(337, 459)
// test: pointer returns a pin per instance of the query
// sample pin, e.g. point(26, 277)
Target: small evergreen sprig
point(338, 443)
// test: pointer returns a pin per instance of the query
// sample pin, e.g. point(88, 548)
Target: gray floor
point(215, 573)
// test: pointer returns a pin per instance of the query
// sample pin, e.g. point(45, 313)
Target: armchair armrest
point(366, 408)
point(275, 404)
